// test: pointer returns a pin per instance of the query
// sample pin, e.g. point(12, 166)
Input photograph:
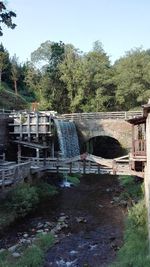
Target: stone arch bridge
point(112, 124)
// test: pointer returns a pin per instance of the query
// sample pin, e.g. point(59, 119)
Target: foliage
point(9, 100)
point(6, 17)
point(133, 188)
point(81, 82)
point(132, 79)
point(23, 199)
point(33, 256)
point(134, 251)
point(45, 241)
point(74, 179)
point(45, 190)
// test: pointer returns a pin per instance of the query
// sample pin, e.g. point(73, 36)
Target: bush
point(45, 190)
point(45, 241)
point(133, 189)
point(23, 199)
point(74, 180)
point(33, 256)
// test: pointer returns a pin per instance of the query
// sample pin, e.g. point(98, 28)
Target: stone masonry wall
point(118, 129)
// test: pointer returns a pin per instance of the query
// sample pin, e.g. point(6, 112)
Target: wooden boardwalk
point(85, 163)
point(12, 173)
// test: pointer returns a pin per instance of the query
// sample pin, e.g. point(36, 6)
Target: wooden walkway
point(85, 163)
point(12, 173)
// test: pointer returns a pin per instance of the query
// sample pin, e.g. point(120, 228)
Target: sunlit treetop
point(6, 17)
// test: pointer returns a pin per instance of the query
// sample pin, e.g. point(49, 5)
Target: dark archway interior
point(104, 146)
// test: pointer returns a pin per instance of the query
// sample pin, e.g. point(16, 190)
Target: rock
point(123, 203)
point(13, 248)
point(40, 231)
point(25, 235)
point(40, 225)
point(2, 250)
point(16, 254)
point(62, 214)
point(73, 252)
point(116, 199)
point(108, 190)
point(53, 231)
point(81, 220)
point(62, 218)
point(22, 240)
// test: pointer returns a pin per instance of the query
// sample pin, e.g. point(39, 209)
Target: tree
point(132, 78)
point(51, 54)
point(15, 72)
point(4, 61)
point(6, 17)
point(88, 78)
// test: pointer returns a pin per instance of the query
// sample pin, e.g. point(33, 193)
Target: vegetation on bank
point(22, 200)
point(33, 255)
point(9, 100)
point(134, 251)
point(74, 178)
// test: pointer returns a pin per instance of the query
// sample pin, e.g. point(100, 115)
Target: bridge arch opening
point(105, 147)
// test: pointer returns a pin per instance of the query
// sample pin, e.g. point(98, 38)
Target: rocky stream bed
point(86, 220)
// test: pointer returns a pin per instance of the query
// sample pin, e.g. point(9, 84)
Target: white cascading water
point(68, 138)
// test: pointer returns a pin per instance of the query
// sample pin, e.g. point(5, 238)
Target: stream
point(88, 225)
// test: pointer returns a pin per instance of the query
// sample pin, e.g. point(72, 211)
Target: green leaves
point(6, 17)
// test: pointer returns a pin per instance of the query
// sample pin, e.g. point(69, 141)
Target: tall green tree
point(4, 61)
point(88, 78)
point(51, 54)
point(132, 79)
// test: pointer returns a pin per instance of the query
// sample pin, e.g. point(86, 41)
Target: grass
point(135, 250)
point(9, 100)
point(132, 189)
point(74, 179)
point(33, 256)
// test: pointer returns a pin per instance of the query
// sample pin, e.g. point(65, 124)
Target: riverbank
point(86, 221)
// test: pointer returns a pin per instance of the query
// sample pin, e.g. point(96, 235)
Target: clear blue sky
point(119, 24)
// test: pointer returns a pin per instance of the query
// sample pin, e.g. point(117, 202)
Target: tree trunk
point(15, 86)
point(0, 77)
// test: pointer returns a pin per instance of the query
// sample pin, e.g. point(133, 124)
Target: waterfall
point(68, 138)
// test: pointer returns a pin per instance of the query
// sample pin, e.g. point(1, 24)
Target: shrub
point(23, 199)
point(45, 190)
point(74, 179)
point(32, 257)
point(45, 241)
point(132, 188)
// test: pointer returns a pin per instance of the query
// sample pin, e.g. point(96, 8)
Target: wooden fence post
point(3, 180)
point(84, 166)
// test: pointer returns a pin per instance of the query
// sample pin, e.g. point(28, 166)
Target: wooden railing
point(139, 147)
point(14, 174)
point(85, 163)
point(102, 115)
